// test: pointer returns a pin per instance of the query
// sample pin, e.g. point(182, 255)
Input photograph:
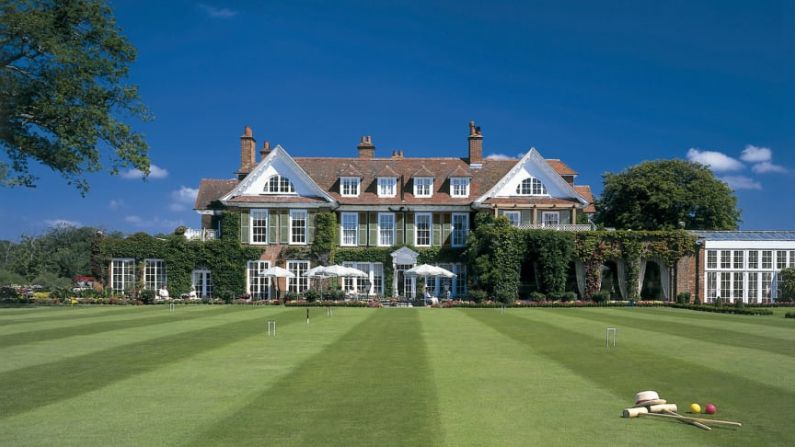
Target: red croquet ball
point(710, 409)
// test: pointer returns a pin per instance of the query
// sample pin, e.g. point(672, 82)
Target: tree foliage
point(62, 91)
point(62, 252)
point(666, 195)
point(786, 284)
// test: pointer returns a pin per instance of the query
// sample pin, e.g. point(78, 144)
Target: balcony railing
point(201, 234)
point(560, 227)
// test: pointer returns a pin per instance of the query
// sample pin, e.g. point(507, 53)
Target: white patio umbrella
point(340, 271)
point(277, 272)
point(320, 273)
point(427, 270)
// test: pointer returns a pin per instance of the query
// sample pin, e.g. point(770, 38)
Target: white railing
point(560, 227)
point(201, 234)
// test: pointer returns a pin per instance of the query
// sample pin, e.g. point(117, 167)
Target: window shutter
point(399, 229)
point(410, 228)
point(273, 227)
point(310, 226)
point(362, 229)
point(244, 227)
point(373, 227)
point(284, 221)
point(446, 228)
point(436, 237)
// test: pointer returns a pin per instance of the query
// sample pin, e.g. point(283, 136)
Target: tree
point(62, 91)
point(667, 194)
point(786, 285)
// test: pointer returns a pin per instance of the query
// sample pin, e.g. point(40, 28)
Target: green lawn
point(209, 375)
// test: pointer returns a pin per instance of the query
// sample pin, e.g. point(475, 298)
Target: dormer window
point(459, 186)
point(277, 184)
point(349, 186)
point(387, 186)
point(531, 186)
point(423, 186)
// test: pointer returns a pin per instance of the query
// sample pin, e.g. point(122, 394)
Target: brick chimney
point(475, 145)
point(266, 149)
point(366, 148)
point(397, 155)
point(247, 150)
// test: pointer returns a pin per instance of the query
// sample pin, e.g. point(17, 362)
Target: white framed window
point(725, 284)
point(154, 274)
point(423, 186)
point(753, 287)
point(258, 223)
point(349, 186)
point(300, 283)
point(550, 218)
point(753, 260)
point(298, 227)
point(460, 230)
point(712, 285)
point(258, 286)
point(781, 259)
point(767, 285)
point(276, 184)
point(725, 259)
point(202, 282)
point(122, 275)
point(738, 284)
point(739, 259)
point(423, 223)
point(350, 229)
point(514, 217)
point(387, 186)
point(712, 259)
point(792, 258)
point(386, 229)
point(531, 186)
point(459, 186)
point(373, 284)
point(767, 259)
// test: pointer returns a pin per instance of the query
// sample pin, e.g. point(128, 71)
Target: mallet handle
point(702, 420)
point(688, 420)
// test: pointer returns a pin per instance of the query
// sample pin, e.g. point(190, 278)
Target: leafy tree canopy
point(667, 194)
point(62, 91)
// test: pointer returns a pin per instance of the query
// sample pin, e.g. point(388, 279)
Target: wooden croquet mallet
point(702, 420)
point(637, 411)
point(687, 420)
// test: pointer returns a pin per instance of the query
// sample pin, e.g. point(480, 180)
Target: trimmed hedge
point(725, 310)
point(789, 315)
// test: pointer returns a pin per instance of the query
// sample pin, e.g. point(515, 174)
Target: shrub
point(739, 304)
point(537, 296)
point(786, 284)
point(600, 297)
point(291, 296)
point(8, 293)
point(683, 298)
point(147, 296)
point(697, 301)
point(789, 315)
point(725, 310)
point(477, 295)
point(569, 296)
point(311, 295)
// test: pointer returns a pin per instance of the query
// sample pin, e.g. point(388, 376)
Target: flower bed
point(725, 309)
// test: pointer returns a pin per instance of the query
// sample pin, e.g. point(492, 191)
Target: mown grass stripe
point(28, 388)
point(728, 322)
point(726, 336)
point(371, 387)
point(77, 313)
point(631, 369)
point(93, 328)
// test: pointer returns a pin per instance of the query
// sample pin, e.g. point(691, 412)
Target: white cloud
point(183, 198)
point(741, 182)
point(502, 157)
point(155, 172)
point(57, 223)
point(756, 154)
point(217, 13)
point(766, 166)
point(717, 161)
point(152, 222)
point(115, 204)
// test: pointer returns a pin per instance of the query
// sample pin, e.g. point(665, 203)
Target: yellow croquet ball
point(695, 408)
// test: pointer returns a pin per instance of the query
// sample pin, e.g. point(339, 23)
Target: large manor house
point(404, 204)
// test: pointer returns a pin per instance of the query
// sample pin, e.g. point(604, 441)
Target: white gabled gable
point(278, 162)
point(532, 164)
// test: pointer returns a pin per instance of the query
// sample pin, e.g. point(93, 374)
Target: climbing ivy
point(225, 257)
point(324, 244)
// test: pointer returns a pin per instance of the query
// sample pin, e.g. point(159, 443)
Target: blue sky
point(601, 85)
